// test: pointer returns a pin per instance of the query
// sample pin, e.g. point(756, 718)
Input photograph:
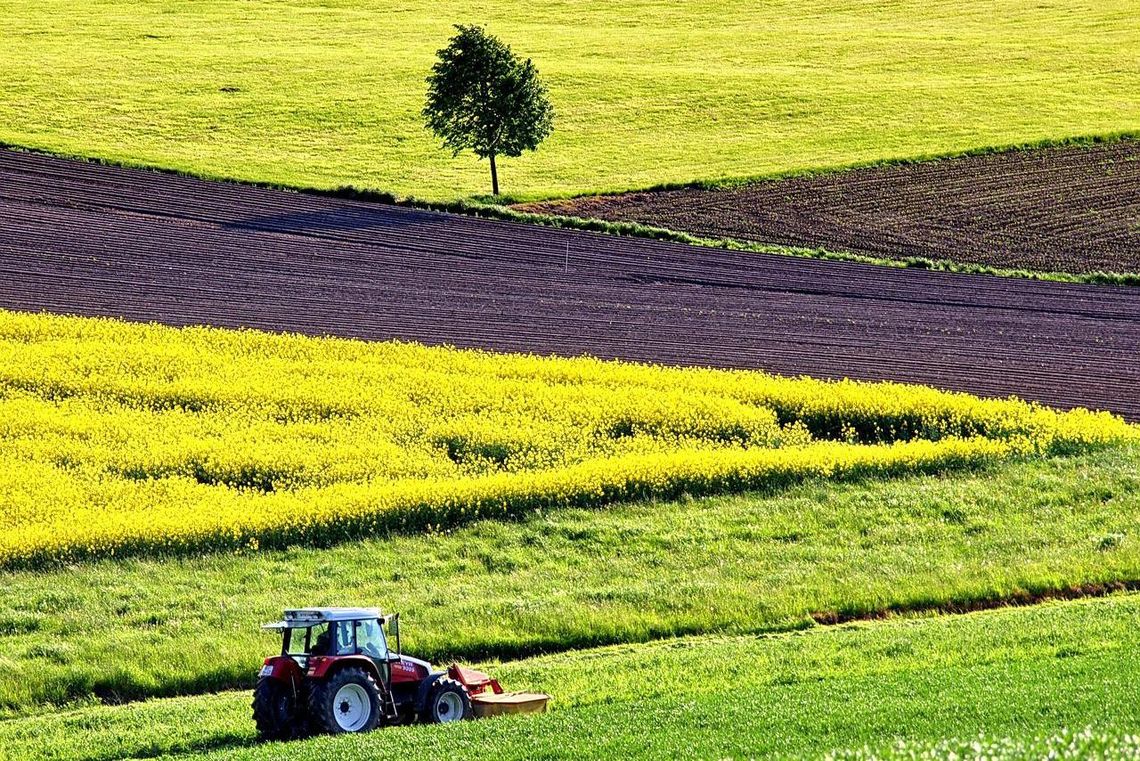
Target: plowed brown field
point(1073, 209)
point(87, 239)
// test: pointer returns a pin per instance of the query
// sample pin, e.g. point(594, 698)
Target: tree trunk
point(494, 177)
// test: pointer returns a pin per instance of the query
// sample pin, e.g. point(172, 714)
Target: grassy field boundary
point(501, 210)
point(636, 230)
point(960, 606)
point(727, 183)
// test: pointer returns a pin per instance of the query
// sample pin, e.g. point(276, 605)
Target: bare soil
point(1073, 209)
point(86, 239)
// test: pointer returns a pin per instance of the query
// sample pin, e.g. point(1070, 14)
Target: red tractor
point(336, 673)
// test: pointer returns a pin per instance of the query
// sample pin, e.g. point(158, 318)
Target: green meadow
point(647, 91)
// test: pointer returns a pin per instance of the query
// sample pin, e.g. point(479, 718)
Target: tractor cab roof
point(302, 617)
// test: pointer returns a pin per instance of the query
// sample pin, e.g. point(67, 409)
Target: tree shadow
point(347, 221)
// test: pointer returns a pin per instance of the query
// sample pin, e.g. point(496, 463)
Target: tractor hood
point(416, 662)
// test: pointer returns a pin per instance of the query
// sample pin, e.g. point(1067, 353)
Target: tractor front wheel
point(346, 702)
point(448, 701)
point(275, 710)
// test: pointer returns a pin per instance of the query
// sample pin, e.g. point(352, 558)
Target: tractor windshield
point(370, 639)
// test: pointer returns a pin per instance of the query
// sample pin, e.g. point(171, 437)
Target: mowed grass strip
point(122, 630)
point(646, 91)
point(1024, 673)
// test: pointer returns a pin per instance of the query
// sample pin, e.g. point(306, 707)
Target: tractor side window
point(344, 640)
point(297, 641)
point(370, 639)
point(319, 640)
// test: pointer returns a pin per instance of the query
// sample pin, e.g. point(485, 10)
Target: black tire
point(347, 702)
point(275, 711)
point(447, 701)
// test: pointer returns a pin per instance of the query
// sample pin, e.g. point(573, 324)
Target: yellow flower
point(120, 438)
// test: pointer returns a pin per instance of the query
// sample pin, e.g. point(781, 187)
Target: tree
point(483, 97)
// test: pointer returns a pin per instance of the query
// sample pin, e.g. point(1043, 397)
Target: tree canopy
point(482, 97)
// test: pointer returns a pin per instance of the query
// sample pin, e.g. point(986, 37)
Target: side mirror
point(396, 628)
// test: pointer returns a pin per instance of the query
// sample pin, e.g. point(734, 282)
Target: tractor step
point(388, 704)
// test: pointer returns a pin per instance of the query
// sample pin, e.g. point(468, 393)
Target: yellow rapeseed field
point(121, 438)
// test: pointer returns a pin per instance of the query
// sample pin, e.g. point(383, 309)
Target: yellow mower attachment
point(497, 704)
point(488, 697)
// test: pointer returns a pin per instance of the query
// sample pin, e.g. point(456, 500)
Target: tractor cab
point(312, 635)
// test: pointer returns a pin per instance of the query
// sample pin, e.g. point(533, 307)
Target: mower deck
point(492, 704)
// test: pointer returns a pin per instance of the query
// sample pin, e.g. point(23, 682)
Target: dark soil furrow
point(1073, 209)
point(89, 239)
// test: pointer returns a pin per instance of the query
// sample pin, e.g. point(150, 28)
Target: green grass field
point(647, 91)
point(1023, 674)
point(567, 579)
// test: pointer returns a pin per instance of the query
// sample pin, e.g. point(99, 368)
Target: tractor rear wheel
point(447, 701)
point(346, 702)
point(275, 710)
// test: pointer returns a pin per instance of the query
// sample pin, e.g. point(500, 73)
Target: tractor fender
point(322, 667)
point(283, 669)
point(425, 687)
